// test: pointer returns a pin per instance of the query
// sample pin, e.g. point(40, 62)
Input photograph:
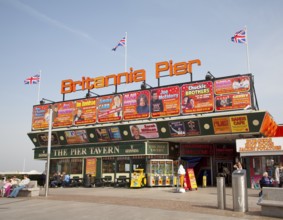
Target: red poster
point(197, 98)
point(232, 85)
point(85, 112)
point(165, 102)
point(136, 105)
point(40, 117)
point(63, 114)
point(232, 101)
point(109, 108)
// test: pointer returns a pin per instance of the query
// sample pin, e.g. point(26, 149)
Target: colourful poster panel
point(191, 179)
point(221, 125)
point(43, 139)
point(192, 127)
point(232, 85)
point(197, 98)
point(63, 114)
point(177, 129)
point(136, 105)
point(90, 168)
point(239, 123)
point(40, 117)
point(232, 101)
point(114, 133)
point(85, 112)
point(165, 102)
point(102, 134)
point(76, 137)
point(140, 132)
point(109, 108)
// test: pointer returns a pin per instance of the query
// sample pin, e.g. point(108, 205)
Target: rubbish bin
point(239, 191)
point(221, 192)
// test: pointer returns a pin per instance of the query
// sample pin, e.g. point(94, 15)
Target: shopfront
point(112, 134)
point(260, 154)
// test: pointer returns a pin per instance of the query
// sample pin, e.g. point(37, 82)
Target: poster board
point(190, 179)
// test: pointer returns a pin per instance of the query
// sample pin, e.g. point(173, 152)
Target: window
point(108, 166)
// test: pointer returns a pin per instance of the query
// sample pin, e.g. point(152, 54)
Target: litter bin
point(221, 192)
point(239, 191)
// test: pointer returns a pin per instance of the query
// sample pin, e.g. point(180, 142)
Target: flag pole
point(38, 93)
point(126, 48)
point(247, 46)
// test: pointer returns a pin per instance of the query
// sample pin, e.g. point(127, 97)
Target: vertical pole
point(48, 151)
point(38, 92)
point(247, 46)
point(126, 48)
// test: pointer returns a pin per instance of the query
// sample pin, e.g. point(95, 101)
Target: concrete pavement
point(123, 203)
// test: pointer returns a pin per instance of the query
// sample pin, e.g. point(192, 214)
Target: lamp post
point(48, 151)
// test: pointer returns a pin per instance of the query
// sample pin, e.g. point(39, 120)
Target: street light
point(144, 85)
point(89, 94)
point(209, 76)
point(42, 101)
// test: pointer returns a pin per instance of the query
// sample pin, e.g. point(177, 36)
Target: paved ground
point(123, 203)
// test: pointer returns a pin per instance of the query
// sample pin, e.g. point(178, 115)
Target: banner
point(165, 102)
point(136, 105)
point(109, 108)
point(232, 85)
point(85, 112)
point(76, 137)
point(40, 117)
point(144, 131)
point(63, 114)
point(232, 101)
point(197, 98)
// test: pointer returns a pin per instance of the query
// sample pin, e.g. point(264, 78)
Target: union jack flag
point(33, 79)
point(121, 43)
point(240, 37)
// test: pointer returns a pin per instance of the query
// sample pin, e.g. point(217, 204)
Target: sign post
point(48, 152)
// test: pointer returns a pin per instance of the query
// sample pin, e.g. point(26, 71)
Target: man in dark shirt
point(156, 104)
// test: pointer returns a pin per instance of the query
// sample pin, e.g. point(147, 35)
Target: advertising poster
point(40, 117)
point(90, 168)
point(239, 124)
point(232, 101)
point(63, 114)
point(197, 98)
point(221, 125)
point(102, 134)
point(192, 127)
point(76, 137)
point(85, 112)
point(165, 102)
point(109, 108)
point(177, 129)
point(140, 132)
point(136, 105)
point(114, 133)
point(43, 139)
point(232, 85)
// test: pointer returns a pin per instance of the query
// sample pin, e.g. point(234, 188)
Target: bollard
point(239, 191)
point(221, 192)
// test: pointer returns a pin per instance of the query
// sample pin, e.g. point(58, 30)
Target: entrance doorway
point(220, 168)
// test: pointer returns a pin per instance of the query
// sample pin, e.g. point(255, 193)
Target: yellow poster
point(239, 123)
point(91, 166)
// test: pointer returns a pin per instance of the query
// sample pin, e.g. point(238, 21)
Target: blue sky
point(68, 39)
